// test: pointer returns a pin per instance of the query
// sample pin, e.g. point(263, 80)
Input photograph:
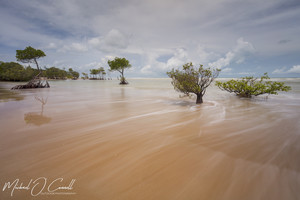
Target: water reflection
point(37, 118)
point(8, 95)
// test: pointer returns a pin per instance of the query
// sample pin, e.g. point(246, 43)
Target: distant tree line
point(118, 64)
point(100, 72)
point(12, 71)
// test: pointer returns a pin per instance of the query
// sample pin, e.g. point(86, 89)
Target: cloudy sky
point(242, 37)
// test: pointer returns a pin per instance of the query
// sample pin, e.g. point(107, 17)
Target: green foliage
point(85, 76)
point(193, 80)
point(29, 55)
point(119, 64)
point(12, 71)
point(100, 72)
point(94, 73)
point(15, 72)
point(72, 74)
point(250, 86)
point(55, 73)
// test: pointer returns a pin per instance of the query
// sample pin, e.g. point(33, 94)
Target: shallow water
point(142, 141)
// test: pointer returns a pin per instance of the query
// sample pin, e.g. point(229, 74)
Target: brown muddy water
point(99, 140)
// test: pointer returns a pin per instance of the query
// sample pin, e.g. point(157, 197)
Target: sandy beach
point(142, 141)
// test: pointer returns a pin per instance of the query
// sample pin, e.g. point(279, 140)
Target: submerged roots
point(35, 83)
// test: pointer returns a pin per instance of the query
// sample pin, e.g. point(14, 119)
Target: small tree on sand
point(193, 80)
point(94, 73)
point(101, 73)
point(30, 55)
point(119, 64)
point(85, 75)
point(250, 86)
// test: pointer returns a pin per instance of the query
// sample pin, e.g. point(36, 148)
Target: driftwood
point(36, 82)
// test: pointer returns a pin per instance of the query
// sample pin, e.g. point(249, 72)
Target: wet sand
point(143, 142)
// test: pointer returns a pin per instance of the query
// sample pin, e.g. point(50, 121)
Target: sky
point(241, 37)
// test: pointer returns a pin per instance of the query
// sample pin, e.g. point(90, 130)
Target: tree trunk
point(37, 65)
point(199, 99)
point(122, 79)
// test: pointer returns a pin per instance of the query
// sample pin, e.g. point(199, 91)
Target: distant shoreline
point(146, 78)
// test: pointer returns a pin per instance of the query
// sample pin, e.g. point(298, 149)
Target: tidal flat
point(141, 141)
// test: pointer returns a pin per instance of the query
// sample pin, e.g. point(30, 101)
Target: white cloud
point(94, 41)
point(93, 65)
point(51, 45)
point(78, 47)
point(96, 64)
point(237, 55)
point(204, 55)
point(294, 69)
point(113, 41)
point(226, 70)
point(180, 57)
point(75, 46)
point(202, 32)
point(146, 70)
point(150, 64)
point(279, 71)
point(246, 73)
